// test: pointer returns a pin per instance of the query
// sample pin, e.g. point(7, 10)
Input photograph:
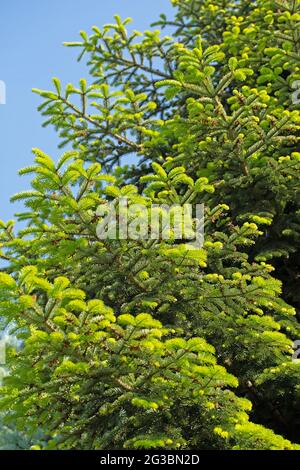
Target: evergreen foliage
point(147, 344)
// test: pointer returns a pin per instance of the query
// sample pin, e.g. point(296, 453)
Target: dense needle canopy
point(128, 343)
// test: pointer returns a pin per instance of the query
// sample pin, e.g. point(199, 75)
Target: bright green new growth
point(138, 344)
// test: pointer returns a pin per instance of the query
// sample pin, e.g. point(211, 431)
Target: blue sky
point(31, 37)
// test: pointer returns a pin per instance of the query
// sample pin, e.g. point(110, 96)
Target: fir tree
point(138, 344)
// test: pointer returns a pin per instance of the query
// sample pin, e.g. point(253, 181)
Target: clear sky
point(31, 53)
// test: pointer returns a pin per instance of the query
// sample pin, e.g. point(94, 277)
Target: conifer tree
point(131, 343)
